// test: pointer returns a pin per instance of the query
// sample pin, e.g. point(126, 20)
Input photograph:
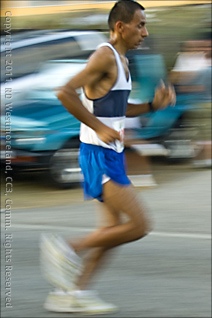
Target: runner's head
point(127, 23)
point(124, 11)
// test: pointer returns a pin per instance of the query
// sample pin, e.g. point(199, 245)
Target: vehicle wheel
point(64, 166)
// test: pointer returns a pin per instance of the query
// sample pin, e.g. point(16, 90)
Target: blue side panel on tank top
point(111, 105)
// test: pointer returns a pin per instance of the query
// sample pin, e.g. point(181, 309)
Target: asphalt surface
point(167, 274)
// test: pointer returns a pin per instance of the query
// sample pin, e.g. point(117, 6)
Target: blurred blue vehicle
point(44, 135)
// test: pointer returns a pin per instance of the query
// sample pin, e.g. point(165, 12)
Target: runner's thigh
point(108, 216)
point(124, 199)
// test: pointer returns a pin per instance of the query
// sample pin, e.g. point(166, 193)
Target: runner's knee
point(142, 229)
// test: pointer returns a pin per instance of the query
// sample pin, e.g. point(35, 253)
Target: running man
point(106, 85)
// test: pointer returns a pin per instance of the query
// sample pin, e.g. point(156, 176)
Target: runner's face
point(135, 32)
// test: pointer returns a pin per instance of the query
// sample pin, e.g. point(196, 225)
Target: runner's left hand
point(164, 96)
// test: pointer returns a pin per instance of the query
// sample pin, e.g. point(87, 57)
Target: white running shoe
point(59, 263)
point(86, 302)
point(59, 301)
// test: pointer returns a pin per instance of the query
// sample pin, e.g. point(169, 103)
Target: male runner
point(106, 85)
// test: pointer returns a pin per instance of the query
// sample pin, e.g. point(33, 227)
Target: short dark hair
point(123, 10)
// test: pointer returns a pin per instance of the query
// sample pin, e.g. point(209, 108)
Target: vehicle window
point(59, 45)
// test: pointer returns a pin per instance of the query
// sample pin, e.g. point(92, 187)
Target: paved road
point(167, 274)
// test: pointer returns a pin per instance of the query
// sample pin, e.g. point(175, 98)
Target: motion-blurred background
point(44, 43)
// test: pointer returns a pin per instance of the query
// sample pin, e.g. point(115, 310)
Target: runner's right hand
point(108, 135)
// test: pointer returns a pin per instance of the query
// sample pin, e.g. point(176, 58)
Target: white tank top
point(109, 109)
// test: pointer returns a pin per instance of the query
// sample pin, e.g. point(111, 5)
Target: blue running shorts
point(99, 164)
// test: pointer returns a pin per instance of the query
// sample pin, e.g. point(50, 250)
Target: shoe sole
point(50, 244)
point(53, 308)
point(62, 303)
point(53, 262)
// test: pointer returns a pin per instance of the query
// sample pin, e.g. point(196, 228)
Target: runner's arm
point(164, 96)
point(68, 96)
